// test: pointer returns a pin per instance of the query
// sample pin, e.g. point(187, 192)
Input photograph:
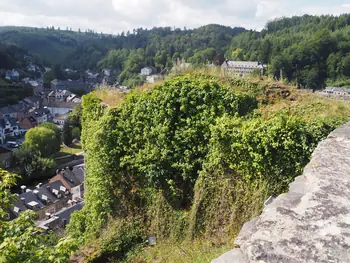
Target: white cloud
point(118, 15)
point(320, 10)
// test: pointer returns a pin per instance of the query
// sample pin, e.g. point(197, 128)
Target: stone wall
point(310, 223)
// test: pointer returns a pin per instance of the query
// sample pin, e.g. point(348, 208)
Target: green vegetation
point(34, 159)
point(12, 94)
point(72, 149)
point(309, 50)
point(20, 240)
point(43, 139)
point(28, 162)
point(190, 160)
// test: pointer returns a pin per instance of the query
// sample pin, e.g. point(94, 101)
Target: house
point(44, 200)
point(33, 101)
point(71, 97)
point(69, 85)
point(61, 119)
point(147, 71)
point(12, 75)
point(28, 123)
point(5, 157)
point(59, 95)
point(21, 108)
point(41, 115)
point(8, 111)
point(60, 219)
point(60, 107)
point(73, 179)
point(242, 68)
point(8, 128)
point(106, 72)
point(335, 91)
point(33, 68)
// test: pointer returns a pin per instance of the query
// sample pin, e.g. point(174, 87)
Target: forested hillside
point(310, 50)
point(157, 46)
point(11, 56)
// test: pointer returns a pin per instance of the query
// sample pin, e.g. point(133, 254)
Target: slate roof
point(241, 64)
point(75, 177)
point(12, 121)
point(47, 190)
point(23, 200)
point(66, 213)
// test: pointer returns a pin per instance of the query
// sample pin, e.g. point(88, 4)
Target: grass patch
point(198, 251)
point(72, 149)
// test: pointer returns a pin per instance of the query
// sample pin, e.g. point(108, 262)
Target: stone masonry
point(310, 223)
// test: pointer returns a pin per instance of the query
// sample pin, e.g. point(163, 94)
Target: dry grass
point(308, 105)
point(198, 251)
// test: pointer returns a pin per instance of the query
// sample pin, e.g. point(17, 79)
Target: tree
point(52, 127)
point(30, 165)
point(76, 133)
point(43, 140)
point(67, 133)
point(20, 240)
point(75, 116)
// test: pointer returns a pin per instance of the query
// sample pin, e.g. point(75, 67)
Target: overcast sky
point(114, 16)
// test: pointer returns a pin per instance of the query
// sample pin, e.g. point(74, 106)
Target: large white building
point(242, 68)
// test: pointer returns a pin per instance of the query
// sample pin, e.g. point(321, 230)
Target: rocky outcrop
point(310, 223)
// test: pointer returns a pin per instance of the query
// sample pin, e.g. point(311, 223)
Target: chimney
point(23, 187)
point(23, 200)
point(36, 192)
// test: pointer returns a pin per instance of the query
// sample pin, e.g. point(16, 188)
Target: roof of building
point(337, 89)
point(61, 104)
point(32, 100)
point(4, 150)
point(73, 176)
point(20, 107)
point(67, 82)
point(62, 116)
point(242, 64)
point(40, 197)
point(65, 214)
point(13, 122)
point(31, 119)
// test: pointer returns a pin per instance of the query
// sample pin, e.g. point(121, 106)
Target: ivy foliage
point(189, 157)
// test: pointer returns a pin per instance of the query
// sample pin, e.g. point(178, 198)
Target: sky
point(115, 16)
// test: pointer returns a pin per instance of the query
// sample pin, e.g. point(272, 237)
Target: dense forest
point(126, 53)
point(310, 50)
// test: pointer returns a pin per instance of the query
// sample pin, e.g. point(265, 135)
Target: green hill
point(310, 50)
point(85, 49)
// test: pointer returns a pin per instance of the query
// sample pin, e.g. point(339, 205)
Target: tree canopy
point(43, 140)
